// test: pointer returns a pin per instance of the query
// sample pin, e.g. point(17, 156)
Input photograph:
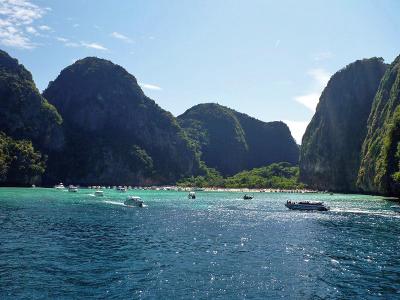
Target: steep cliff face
point(24, 113)
point(380, 171)
point(331, 146)
point(27, 122)
point(231, 142)
point(114, 133)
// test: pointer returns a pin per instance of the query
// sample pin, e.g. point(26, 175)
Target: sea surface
point(60, 245)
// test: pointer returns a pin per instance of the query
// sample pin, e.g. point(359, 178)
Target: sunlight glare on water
point(55, 244)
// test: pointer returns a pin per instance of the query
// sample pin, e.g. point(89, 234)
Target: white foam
point(368, 212)
point(115, 203)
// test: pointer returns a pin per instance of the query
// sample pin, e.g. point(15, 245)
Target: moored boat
point(306, 205)
point(247, 197)
point(121, 189)
point(192, 195)
point(133, 201)
point(99, 193)
point(72, 189)
point(59, 186)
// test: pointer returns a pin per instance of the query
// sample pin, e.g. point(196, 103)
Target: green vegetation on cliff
point(113, 132)
point(20, 163)
point(230, 141)
point(24, 113)
point(331, 146)
point(277, 176)
point(379, 171)
point(27, 120)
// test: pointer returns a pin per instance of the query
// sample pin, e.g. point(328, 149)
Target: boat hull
point(133, 204)
point(307, 207)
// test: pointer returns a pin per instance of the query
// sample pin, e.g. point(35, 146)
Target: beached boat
point(133, 201)
point(99, 193)
point(192, 195)
point(247, 197)
point(59, 186)
point(307, 205)
point(72, 189)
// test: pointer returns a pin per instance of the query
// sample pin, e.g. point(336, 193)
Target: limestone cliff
point(331, 145)
point(114, 133)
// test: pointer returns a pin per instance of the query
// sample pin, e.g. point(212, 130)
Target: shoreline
point(213, 189)
point(186, 189)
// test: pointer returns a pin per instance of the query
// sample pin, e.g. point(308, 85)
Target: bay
point(60, 245)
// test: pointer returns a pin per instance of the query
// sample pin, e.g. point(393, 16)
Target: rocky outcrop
point(114, 133)
point(331, 146)
point(29, 125)
point(380, 171)
point(230, 141)
point(24, 113)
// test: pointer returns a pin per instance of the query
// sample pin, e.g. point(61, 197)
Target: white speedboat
point(133, 201)
point(395, 208)
point(59, 186)
point(72, 189)
point(99, 193)
point(307, 205)
point(192, 195)
point(121, 189)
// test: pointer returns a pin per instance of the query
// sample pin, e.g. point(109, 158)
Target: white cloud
point(94, 46)
point(323, 56)
point(61, 39)
point(31, 29)
point(297, 128)
point(150, 87)
point(321, 76)
point(72, 44)
point(320, 79)
point(121, 37)
point(16, 16)
point(309, 100)
point(44, 27)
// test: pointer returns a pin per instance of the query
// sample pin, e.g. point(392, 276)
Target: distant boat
point(33, 186)
point(99, 193)
point(192, 195)
point(121, 189)
point(395, 208)
point(307, 205)
point(247, 197)
point(133, 201)
point(59, 186)
point(72, 189)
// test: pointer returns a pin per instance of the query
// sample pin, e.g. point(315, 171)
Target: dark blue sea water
point(60, 245)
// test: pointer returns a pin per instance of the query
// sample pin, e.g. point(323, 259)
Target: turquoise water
point(61, 245)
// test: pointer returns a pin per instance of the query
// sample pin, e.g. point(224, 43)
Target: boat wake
point(121, 203)
point(115, 203)
point(390, 214)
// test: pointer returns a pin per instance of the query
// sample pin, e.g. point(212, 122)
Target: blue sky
point(269, 59)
